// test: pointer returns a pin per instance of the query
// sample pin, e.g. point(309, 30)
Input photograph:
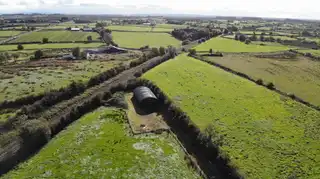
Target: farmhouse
point(145, 98)
point(75, 29)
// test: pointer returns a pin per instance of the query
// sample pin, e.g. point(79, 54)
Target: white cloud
point(270, 8)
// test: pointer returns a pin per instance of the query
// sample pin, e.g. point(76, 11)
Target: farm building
point(75, 29)
point(87, 29)
point(145, 98)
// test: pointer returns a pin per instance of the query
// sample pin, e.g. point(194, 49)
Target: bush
point(38, 54)
point(270, 85)
point(248, 41)
point(76, 52)
point(210, 51)
point(137, 74)
point(20, 47)
point(259, 82)
point(242, 38)
point(185, 42)
point(155, 51)
point(291, 95)
point(192, 52)
point(45, 40)
point(162, 50)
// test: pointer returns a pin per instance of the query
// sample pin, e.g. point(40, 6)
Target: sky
point(307, 9)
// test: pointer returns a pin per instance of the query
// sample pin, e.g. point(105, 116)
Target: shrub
point(242, 38)
point(20, 47)
point(137, 74)
point(155, 51)
point(291, 95)
point(45, 40)
point(210, 51)
point(76, 52)
point(192, 52)
point(259, 82)
point(248, 41)
point(270, 85)
point(38, 54)
point(185, 42)
point(162, 50)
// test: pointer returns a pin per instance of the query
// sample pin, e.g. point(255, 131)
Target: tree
point(162, 50)
point(242, 38)
point(210, 51)
point(247, 41)
point(20, 47)
point(38, 54)
point(15, 56)
point(236, 37)
point(45, 40)
point(76, 52)
point(89, 38)
point(226, 31)
point(261, 37)
point(192, 52)
point(270, 33)
point(33, 28)
point(3, 58)
point(279, 40)
point(155, 51)
point(306, 33)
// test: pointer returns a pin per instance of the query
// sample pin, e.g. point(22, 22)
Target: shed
point(145, 98)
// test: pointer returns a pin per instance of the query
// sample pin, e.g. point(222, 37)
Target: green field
point(50, 46)
point(171, 26)
point(97, 146)
point(137, 40)
point(138, 28)
point(284, 38)
point(265, 135)
point(299, 76)
point(9, 33)
point(67, 25)
point(228, 45)
point(27, 81)
point(56, 36)
point(313, 52)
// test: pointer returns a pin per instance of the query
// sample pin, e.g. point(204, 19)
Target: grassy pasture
point(228, 45)
point(137, 40)
point(27, 81)
point(97, 146)
point(56, 36)
point(171, 26)
point(313, 52)
point(284, 38)
point(265, 135)
point(66, 25)
point(9, 33)
point(50, 46)
point(138, 28)
point(299, 76)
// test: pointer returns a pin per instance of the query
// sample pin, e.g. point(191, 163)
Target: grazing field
point(138, 28)
point(250, 32)
point(299, 76)
point(39, 76)
point(50, 46)
point(228, 45)
point(9, 33)
point(171, 26)
point(56, 36)
point(67, 25)
point(283, 38)
point(264, 135)
point(98, 146)
point(313, 52)
point(137, 40)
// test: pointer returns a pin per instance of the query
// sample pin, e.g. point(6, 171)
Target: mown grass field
point(228, 45)
point(9, 33)
point(56, 36)
point(137, 40)
point(50, 46)
point(265, 135)
point(27, 81)
point(98, 146)
point(138, 28)
point(299, 76)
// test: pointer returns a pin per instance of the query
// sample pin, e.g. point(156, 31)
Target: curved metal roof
point(141, 93)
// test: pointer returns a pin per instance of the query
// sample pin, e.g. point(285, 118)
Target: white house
point(75, 29)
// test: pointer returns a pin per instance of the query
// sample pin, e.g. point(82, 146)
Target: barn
point(145, 98)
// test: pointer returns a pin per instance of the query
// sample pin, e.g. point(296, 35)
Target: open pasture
point(50, 46)
point(98, 146)
point(34, 77)
point(9, 33)
point(137, 40)
point(299, 76)
point(56, 36)
point(138, 28)
point(229, 45)
point(264, 134)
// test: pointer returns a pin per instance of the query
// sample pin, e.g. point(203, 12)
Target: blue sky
point(271, 8)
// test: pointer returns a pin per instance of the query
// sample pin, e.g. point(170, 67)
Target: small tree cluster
point(38, 54)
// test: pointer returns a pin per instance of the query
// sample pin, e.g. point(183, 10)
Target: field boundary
point(243, 75)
